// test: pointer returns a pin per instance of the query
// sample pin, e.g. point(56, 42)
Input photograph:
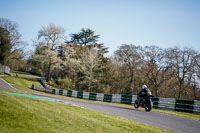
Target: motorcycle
point(146, 102)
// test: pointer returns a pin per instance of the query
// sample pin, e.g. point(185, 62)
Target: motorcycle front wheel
point(148, 106)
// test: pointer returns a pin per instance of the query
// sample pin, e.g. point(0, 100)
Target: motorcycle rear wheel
point(136, 104)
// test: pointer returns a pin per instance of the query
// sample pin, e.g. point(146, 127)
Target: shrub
point(1, 72)
point(65, 83)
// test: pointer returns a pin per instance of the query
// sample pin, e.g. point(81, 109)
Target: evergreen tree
point(88, 38)
point(5, 46)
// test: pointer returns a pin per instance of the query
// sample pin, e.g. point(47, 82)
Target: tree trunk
point(156, 91)
point(89, 84)
point(131, 81)
point(49, 73)
point(180, 92)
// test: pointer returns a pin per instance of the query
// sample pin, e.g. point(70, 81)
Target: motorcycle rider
point(143, 92)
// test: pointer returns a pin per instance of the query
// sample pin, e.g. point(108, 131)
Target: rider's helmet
point(144, 87)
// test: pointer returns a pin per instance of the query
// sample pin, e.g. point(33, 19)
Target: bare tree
point(156, 67)
point(130, 55)
point(194, 77)
point(51, 35)
point(182, 62)
point(197, 62)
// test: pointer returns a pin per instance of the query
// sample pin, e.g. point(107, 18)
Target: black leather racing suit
point(143, 93)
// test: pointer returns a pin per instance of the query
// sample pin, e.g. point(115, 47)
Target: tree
point(69, 54)
point(130, 55)
point(84, 65)
point(50, 37)
point(38, 65)
point(90, 66)
point(14, 35)
point(5, 46)
point(156, 67)
point(197, 66)
point(16, 43)
point(182, 62)
point(18, 62)
point(194, 77)
point(85, 38)
point(88, 38)
point(118, 77)
point(49, 58)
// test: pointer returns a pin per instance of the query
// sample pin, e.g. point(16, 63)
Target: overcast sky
point(165, 23)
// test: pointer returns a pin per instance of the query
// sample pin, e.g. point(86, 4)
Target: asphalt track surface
point(160, 120)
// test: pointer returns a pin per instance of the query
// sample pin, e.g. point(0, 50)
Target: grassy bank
point(24, 84)
point(21, 83)
point(22, 115)
point(26, 74)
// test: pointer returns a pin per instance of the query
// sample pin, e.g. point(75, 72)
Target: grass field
point(26, 115)
point(24, 84)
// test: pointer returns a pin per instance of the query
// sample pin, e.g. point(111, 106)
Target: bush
point(65, 83)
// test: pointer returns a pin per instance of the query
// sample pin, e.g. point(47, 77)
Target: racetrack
point(164, 121)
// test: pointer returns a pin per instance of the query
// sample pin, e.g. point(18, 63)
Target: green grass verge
point(26, 74)
point(22, 115)
point(180, 114)
point(24, 84)
point(21, 83)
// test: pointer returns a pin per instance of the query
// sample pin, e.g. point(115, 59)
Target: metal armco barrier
point(191, 106)
point(165, 103)
point(93, 96)
point(126, 99)
point(64, 92)
point(100, 97)
point(116, 98)
point(184, 105)
point(53, 91)
point(38, 88)
point(74, 93)
point(196, 106)
point(61, 92)
point(69, 93)
point(80, 94)
point(107, 98)
point(155, 102)
point(86, 95)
